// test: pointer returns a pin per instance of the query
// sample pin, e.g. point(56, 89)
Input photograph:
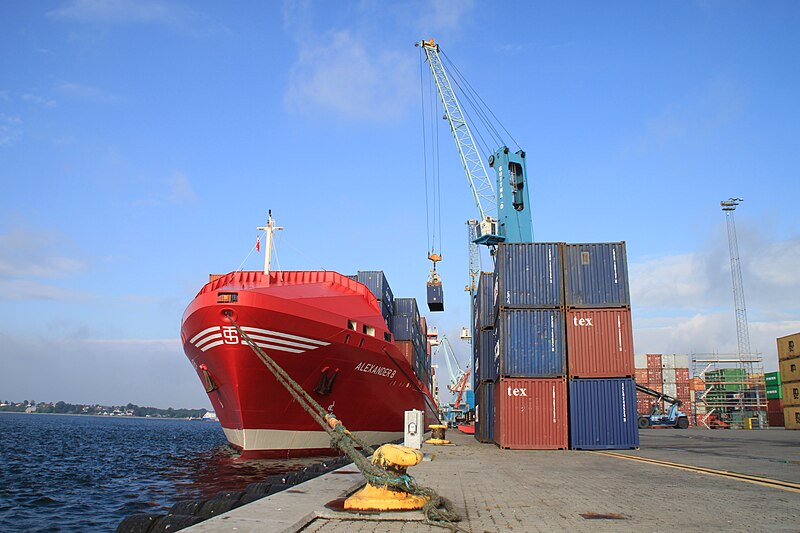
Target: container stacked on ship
point(405, 322)
point(600, 362)
point(789, 362)
point(407, 327)
point(530, 389)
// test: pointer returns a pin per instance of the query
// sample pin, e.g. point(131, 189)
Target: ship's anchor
point(387, 480)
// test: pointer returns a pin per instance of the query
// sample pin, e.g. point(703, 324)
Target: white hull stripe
point(208, 338)
point(207, 330)
point(212, 345)
point(272, 340)
point(285, 335)
point(278, 439)
point(281, 341)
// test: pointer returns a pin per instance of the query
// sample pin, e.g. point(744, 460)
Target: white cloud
point(116, 11)
point(178, 191)
point(85, 92)
point(340, 74)
point(25, 253)
point(38, 100)
point(29, 261)
point(445, 15)
point(152, 372)
point(684, 303)
point(10, 129)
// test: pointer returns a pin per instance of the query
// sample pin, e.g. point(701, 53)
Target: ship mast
point(268, 229)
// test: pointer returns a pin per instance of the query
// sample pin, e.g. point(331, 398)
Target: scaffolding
point(734, 391)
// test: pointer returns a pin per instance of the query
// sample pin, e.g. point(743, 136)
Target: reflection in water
point(201, 475)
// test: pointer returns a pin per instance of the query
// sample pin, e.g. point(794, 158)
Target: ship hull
point(327, 333)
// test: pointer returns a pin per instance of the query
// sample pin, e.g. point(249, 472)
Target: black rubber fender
point(138, 523)
point(186, 507)
point(258, 488)
point(218, 506)
point(274, 489)
point(250, 497)
point(174, 522)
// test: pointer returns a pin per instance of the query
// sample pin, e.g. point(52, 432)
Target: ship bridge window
point(227, 297)
point(368, 330)
point(351, 324)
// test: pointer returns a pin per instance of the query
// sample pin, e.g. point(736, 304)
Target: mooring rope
point(348, 443)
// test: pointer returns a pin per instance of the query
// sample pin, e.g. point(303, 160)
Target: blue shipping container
point(602, 414)
point(405, 328)
point(376, 282)
point(596, 275)
point(484, 346)
point(531, 343)
point(484, 302)
point(435, 297)
point(407, 307)
point(484, 412)
point(529, 275)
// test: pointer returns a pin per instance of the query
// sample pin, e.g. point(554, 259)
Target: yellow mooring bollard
point(437, 435)
point(371, 498)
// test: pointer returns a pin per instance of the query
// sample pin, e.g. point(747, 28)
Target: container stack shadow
point(553, 348)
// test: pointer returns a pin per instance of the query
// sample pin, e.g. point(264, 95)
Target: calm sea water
point(86, 473)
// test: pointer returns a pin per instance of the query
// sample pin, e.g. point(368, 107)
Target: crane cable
point(433, 200)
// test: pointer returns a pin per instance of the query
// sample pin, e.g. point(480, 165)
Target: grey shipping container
point(596, 275)
point(484, 301)
point(531, 343)
point(484, 346)
point(603, 414)
point(484, 411)
point(529, 275)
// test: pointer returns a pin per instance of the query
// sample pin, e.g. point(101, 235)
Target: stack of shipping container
point(484, 364)
point(553, 348)
point(667, 373)
point(789, 362)
point(405, 322)
point(774, 392)
point(602, 392)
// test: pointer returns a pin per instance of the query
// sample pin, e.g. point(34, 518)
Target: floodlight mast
point(742, 330)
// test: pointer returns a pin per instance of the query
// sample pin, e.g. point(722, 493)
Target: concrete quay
point(498, 490)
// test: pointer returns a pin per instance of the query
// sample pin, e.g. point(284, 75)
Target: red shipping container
point(681, 375)
point(654, 360)
point(599, 343)
point(407, 349)
point(531, 414)
point(775, 419)
point(775, 406)
point(641, 376)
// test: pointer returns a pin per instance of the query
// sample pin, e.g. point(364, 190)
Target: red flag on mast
point(258, 244)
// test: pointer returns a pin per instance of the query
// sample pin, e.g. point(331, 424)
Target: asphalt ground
point(498, 490)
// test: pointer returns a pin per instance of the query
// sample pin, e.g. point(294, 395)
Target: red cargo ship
point(327, 332)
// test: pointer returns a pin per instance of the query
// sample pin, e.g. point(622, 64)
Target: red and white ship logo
point(275, 340)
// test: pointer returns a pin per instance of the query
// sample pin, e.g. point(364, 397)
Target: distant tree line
point(110, 410)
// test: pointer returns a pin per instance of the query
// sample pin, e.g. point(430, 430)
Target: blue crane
point(504, 209)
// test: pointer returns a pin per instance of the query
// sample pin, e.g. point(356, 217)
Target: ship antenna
point(268, 229)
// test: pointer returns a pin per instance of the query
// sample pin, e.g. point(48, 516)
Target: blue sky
point(142, 142)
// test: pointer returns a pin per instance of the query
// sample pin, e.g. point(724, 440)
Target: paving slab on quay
point(503, 490)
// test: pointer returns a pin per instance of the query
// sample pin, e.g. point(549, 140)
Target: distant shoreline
point(110, 416)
